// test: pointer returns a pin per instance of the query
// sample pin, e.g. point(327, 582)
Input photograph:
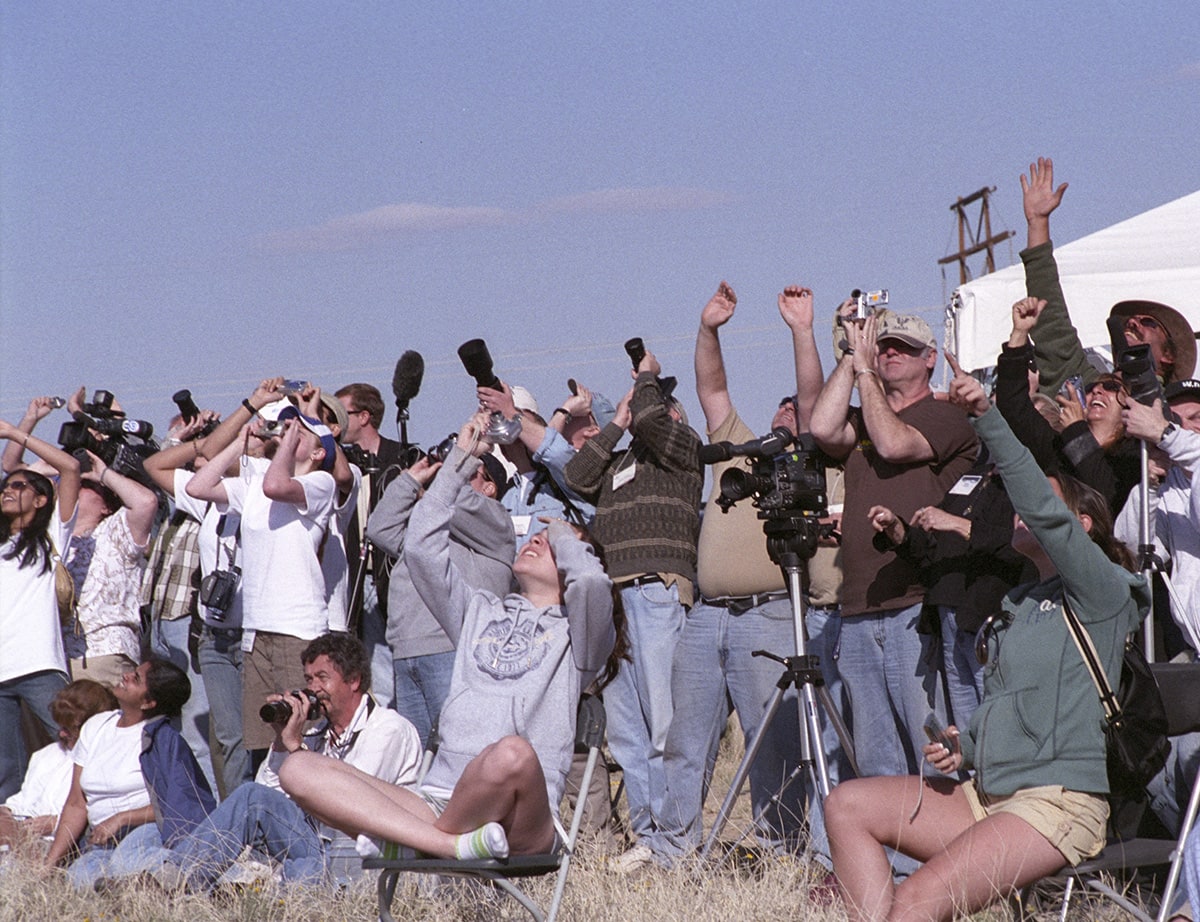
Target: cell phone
point(937, 733)
point(1077, 380)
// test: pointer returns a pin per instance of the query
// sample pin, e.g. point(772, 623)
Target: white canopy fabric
point(1154, 256)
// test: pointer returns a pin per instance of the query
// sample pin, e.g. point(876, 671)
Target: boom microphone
point(772, 444)
point(406, 379)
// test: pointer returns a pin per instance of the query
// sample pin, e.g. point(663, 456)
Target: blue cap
point(317, 428)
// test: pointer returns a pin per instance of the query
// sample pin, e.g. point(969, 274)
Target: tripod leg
point(739, 776)
point(840, 728)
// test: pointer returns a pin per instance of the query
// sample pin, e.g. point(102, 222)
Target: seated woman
point(1037, 800)
point(508, 725)
point(33, 811)
point(109, 796)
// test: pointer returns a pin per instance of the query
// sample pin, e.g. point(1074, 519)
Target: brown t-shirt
point(876, 581)
point(732, 551)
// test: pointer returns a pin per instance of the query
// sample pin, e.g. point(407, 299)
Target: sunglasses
point(986, 630)
point(1113, 387)
point(1145, 320)
point(16, 486)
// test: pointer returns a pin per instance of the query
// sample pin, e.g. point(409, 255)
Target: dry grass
point(773, 889)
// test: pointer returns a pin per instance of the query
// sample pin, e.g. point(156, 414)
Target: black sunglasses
point(989, 628)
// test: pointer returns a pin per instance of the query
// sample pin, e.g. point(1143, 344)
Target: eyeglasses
point(16, 486)
point(1113, 387)
point(989, 627)
point(1145, 320)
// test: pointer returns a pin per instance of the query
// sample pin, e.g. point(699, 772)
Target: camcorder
point(785, 482)
point(1137, 367)
point(123, 444)
point(217, 591)
point(867, 302)
point(277, 712)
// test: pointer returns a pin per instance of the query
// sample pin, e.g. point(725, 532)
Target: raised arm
point(893, 439)
point(208, 484)
point(268, 391)
point(141, 505)
point(14, 452)
point(66, 466)
point(796, 308)
point(587, 599)
point(672, 442)
point(711, 385)
point(182, 449)
point(387, 526)
point(585, 471)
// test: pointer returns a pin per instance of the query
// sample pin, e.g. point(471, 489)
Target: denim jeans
point(422, 684)
point(140, 850)
point(258, 816)
point(824, 642)
point(712, 660)
point(893, 684)
point(220, 656)
point(374, 638)
point(964, 674)
point(36, 690)
point(169, 639)
point(1170, 789)
point(638, 701)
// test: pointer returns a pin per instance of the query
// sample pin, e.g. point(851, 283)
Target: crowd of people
point(250, 636)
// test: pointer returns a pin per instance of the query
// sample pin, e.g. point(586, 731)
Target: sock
point(488, 841)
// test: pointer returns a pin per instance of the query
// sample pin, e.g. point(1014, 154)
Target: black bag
point(1135, 728)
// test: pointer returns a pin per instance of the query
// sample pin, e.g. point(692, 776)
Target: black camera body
point(793, 481)
point(126, 443)
point(281, 711)
point(217, 591)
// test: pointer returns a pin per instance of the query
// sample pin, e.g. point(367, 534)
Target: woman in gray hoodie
point(508, 726)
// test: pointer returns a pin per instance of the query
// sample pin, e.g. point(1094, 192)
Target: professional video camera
point(786, 483)
point(123, 444)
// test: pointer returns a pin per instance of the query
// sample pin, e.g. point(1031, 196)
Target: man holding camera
point(903, 449)
point(350, 726)
point(647, 519)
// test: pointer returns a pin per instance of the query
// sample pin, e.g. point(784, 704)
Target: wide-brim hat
point(1180, 332)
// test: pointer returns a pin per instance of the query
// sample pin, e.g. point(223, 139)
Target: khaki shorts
point(272, 666)
point(1071, 821)
point(106, 669)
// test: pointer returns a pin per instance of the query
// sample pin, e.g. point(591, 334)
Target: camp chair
point(1180, 686)
point(589, 736)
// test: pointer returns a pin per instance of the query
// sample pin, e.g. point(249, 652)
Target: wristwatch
point(1168, 429)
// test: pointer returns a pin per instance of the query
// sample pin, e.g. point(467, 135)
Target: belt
point(737, 604)
point(643, 580)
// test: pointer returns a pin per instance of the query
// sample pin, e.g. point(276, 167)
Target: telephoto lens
point(281, 711)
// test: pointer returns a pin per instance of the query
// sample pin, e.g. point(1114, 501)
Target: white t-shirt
point(334, 563)
point(47, 783)
point(283, 589)
point(112, 778)
point(30, 638)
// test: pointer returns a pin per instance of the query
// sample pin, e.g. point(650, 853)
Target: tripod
point(791, 540)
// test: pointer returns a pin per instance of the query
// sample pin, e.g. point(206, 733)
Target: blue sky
point(201, 194)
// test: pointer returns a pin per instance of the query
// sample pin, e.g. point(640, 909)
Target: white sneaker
point(636, 858)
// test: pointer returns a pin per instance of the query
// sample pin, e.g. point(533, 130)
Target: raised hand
point(796, 307)
point(719, 308)
point(965, 391)
point(1039, 196)
point(1025, 314)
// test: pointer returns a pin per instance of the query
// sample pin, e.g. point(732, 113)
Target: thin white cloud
point(626, 200)
point(1189, 71)
point(354, 231)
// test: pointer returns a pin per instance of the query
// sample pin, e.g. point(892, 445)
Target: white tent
point(1154, 256)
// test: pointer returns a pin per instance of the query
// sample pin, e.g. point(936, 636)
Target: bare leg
point(992, 858)
point(863, 815)
point(503, 784)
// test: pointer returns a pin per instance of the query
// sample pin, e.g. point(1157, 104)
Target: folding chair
point(1180, 686)
point(589, 736)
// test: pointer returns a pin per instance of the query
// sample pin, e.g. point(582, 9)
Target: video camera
point(123, 444)
point(1137, 367)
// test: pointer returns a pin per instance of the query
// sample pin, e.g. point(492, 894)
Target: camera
point(867, 302)
point(478, 362)
point(1136, 364)
point(276, 712)
point(189, 411)
point(636, 350)
point(441, 450)
point(217, 591)
point(123, 444)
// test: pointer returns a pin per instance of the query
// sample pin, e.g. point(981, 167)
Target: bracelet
point(563, 410)
point(102, 473)
point(25, 444)
point(866, 371)
point(249, 406)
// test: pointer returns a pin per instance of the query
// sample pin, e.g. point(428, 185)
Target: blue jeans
point(374, 638)
point(220, 656)
point(1170, 789)
point(824, 642)
point(140, 850)
point(36, 690)
point(893, 684)
point(712, 660)
point(169, 639)
point(258, 816)
point(964, 674)
point(638, 701)
point(422, 684)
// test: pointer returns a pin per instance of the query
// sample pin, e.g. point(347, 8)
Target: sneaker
point(635, 859)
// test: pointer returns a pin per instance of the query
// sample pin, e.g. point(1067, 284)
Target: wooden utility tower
point(969, 242)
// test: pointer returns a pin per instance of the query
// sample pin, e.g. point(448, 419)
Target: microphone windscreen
point(406, 380)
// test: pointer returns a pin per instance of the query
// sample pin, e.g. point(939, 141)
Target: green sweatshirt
point(1040, 721)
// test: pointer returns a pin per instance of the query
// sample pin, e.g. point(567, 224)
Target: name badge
point(521, 524)
point(623, 476)
point(966, 485)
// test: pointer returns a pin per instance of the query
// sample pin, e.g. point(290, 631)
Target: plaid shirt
point(172, 579)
